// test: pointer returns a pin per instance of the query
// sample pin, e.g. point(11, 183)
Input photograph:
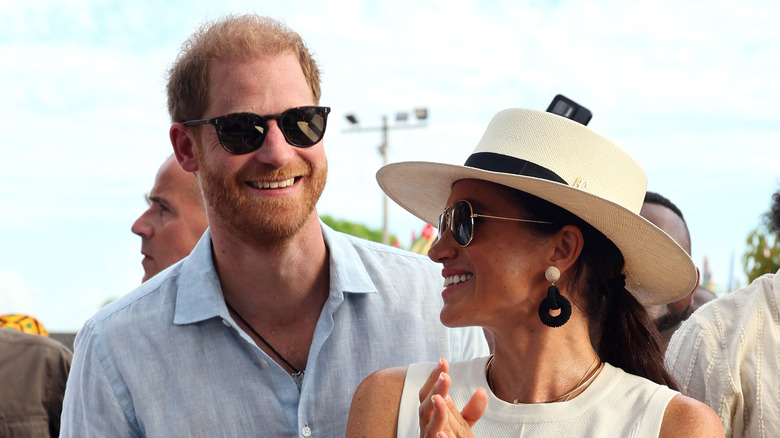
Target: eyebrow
point(156, 199)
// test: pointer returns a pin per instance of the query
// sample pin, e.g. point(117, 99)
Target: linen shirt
point(168, 359)
point(727, 355)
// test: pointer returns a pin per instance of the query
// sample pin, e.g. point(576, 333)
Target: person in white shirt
point(728, 352)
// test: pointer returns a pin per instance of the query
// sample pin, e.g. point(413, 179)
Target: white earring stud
point(552, 274)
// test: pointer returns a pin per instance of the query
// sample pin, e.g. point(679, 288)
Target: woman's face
point(499, 276)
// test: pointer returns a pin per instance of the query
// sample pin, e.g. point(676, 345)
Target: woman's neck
point(540, 365)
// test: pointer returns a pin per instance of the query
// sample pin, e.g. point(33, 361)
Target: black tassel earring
point(554, 301)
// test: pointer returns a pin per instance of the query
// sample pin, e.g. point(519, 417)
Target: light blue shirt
point(167, 360)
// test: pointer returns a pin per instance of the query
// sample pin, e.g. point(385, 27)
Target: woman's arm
point(686, 417)
point(375, 405)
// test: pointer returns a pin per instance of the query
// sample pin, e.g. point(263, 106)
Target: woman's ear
point(184, 147)
point(568, 246)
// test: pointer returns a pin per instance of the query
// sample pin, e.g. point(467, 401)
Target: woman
point(542, 245)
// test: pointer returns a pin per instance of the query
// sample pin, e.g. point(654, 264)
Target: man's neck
point(278, 290)
point(283, 281)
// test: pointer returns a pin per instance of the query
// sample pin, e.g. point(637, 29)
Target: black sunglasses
point(459, 218)
point(242, 133)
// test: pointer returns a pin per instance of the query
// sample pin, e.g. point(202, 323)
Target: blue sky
point(690, 90)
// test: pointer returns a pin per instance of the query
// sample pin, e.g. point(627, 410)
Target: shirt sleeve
point(698, 358)
point(469, 343)
point(91, 407)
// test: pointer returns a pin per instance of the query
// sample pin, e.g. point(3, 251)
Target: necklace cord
point(583, 381)
point(262, 339)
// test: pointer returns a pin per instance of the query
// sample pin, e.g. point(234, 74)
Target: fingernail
point(440, 380)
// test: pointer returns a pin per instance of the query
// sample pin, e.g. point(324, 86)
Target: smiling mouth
point(455, 279)
point(272, 184)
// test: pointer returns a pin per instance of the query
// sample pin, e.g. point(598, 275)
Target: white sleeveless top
point(616, 404)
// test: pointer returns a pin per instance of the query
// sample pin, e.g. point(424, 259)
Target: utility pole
point(421, 114)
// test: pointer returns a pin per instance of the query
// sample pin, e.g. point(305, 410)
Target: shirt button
point(226, 322)
point(306, 431)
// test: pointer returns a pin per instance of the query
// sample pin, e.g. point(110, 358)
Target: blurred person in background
point(727, 354)
point(174, 221)
point(664, 214)
point(33, 373)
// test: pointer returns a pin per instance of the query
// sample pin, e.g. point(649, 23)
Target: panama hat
point(571, 166)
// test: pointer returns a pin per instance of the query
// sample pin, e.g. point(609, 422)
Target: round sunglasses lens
point(461, 224)
point(304, 127)
point(242, 133)
point(442, 225)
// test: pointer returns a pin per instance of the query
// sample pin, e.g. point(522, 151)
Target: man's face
point(267, 195)
point(673, 225)
point(174, 221)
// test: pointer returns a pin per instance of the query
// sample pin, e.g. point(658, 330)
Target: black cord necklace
point(297, 375)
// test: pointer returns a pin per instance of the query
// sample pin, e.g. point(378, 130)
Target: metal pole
point(383, 151)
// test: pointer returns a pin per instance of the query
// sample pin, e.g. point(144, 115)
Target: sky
point(689, 89)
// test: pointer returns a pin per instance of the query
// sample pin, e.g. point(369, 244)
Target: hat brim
point(657, 269)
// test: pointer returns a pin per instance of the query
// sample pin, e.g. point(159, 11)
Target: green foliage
point(762, 253)
point(354, 229)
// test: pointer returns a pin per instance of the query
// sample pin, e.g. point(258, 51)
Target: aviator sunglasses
point(459, 218)
point(242, 133)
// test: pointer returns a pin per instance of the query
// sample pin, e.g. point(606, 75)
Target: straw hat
point(569, 165)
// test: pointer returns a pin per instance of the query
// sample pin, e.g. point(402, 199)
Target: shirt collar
point(347, 269)
point(199, 292)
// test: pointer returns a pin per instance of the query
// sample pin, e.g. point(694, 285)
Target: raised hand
point(439, 417)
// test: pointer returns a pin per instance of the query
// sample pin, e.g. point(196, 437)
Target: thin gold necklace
point(582, 383)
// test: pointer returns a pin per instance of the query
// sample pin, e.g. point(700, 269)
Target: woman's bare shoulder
point(687, 417)
point(376, 403)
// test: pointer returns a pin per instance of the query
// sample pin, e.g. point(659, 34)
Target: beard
point(262, 221)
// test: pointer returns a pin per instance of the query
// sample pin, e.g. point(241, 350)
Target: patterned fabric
point(727, 355)
point(22, 323)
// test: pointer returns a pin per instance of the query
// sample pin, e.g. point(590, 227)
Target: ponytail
point(626, 336)
point(629, 339)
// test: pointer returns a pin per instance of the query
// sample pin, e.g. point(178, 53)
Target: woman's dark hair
point(626, 336)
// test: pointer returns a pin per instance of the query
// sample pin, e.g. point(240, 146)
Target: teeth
point(272, 184)
point(455, 279)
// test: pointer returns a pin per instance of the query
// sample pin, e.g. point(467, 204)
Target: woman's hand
point(439, 417)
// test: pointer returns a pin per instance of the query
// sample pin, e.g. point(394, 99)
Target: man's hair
point(773, 215)
point(233, 37)
point(655, 198)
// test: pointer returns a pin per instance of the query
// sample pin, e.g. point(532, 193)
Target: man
point(726, 354)
point(33, 372)
point(268, 326)
point(174, 221)
point(664, 214)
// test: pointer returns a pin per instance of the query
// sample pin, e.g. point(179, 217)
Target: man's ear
point(184, 147)
point(568, 246)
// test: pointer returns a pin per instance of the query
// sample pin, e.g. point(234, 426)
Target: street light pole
point(422, 115)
